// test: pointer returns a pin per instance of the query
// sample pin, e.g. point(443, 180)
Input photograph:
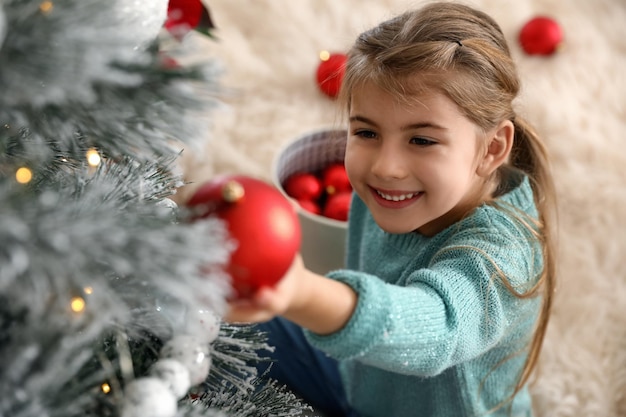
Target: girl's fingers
point(246, 315)
point(257, 308)
point(264, 297)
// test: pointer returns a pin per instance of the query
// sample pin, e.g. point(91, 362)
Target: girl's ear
point(499, 147)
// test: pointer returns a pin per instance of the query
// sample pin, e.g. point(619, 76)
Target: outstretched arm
point(312, 301)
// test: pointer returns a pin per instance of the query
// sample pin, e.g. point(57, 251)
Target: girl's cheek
point(354, 169)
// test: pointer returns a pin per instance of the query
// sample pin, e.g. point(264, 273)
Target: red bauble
point(263, 223)
point(330, 74)
point(310, 206)
point(335, 179)
point(185, 14)
point(303, 186)
point(541, 36)
point(338, 205)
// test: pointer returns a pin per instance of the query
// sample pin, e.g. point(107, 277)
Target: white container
point(323, 239)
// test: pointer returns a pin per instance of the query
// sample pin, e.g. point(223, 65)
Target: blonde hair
point(462, 52)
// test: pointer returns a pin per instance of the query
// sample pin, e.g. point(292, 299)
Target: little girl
point(444, 302)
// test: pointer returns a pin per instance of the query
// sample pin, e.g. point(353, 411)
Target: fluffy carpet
point(576, 98)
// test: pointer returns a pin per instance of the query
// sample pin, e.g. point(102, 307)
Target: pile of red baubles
point(326, 192)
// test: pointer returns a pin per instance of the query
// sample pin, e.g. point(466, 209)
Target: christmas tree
point(110, 297)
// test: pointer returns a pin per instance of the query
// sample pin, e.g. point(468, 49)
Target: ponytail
point(530, 155)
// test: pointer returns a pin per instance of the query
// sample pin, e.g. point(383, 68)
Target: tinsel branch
point(99, 269)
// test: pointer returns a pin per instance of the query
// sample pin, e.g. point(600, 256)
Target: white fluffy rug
point(577, 100)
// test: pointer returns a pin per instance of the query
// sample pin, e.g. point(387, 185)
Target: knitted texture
point(435, 332)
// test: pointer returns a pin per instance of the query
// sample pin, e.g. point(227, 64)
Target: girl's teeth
point(395, 197)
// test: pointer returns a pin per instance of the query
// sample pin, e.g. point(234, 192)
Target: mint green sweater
point(433, 321)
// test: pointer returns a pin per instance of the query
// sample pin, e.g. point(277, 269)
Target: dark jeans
point(306, 371)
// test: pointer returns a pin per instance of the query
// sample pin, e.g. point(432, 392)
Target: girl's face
point(415, 167)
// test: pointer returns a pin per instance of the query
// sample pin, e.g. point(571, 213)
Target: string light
point(106, 388)
point(23, 175)
point(77, 304)
point(88, 290)
point(93, 157)
point(46, 7)
point(324, 55)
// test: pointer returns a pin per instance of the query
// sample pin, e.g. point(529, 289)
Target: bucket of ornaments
point(310, 172)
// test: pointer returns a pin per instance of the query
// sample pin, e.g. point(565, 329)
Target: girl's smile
point(395, 199)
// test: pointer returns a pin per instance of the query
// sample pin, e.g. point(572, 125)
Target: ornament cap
point(233, 191)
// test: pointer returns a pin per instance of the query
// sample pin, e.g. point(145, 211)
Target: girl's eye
point(421, 141)
point(365, 134)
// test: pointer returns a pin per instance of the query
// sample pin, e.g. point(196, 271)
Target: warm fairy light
point(77, 304)
point(23, 175)
point(324, 55)
point(106, 388)
point(46, 7)
point(88, 290)
point(93, 157)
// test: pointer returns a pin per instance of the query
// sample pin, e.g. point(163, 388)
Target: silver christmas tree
point(110, 297)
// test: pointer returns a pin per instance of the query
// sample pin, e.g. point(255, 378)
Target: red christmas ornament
point(186, 15)
point(541, 36)
point(263, 223)
point(338, 205)
point(303, 186)
point(310, 206)
point(330, 73)
point(335, 179)
point(183, 13)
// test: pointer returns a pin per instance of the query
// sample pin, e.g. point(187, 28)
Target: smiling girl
point(443, 305)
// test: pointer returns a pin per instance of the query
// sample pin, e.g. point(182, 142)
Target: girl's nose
point(389, 162)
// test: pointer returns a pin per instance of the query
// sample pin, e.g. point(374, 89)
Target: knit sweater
point(435, 333)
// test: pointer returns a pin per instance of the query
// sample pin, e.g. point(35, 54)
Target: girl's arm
point(312, 301)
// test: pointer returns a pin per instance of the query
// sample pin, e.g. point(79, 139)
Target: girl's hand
point(312, 301)
point(269, 302)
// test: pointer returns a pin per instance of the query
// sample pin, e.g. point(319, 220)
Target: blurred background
point(269, 53)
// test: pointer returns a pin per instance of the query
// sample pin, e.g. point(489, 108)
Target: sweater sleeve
point(451, 311)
